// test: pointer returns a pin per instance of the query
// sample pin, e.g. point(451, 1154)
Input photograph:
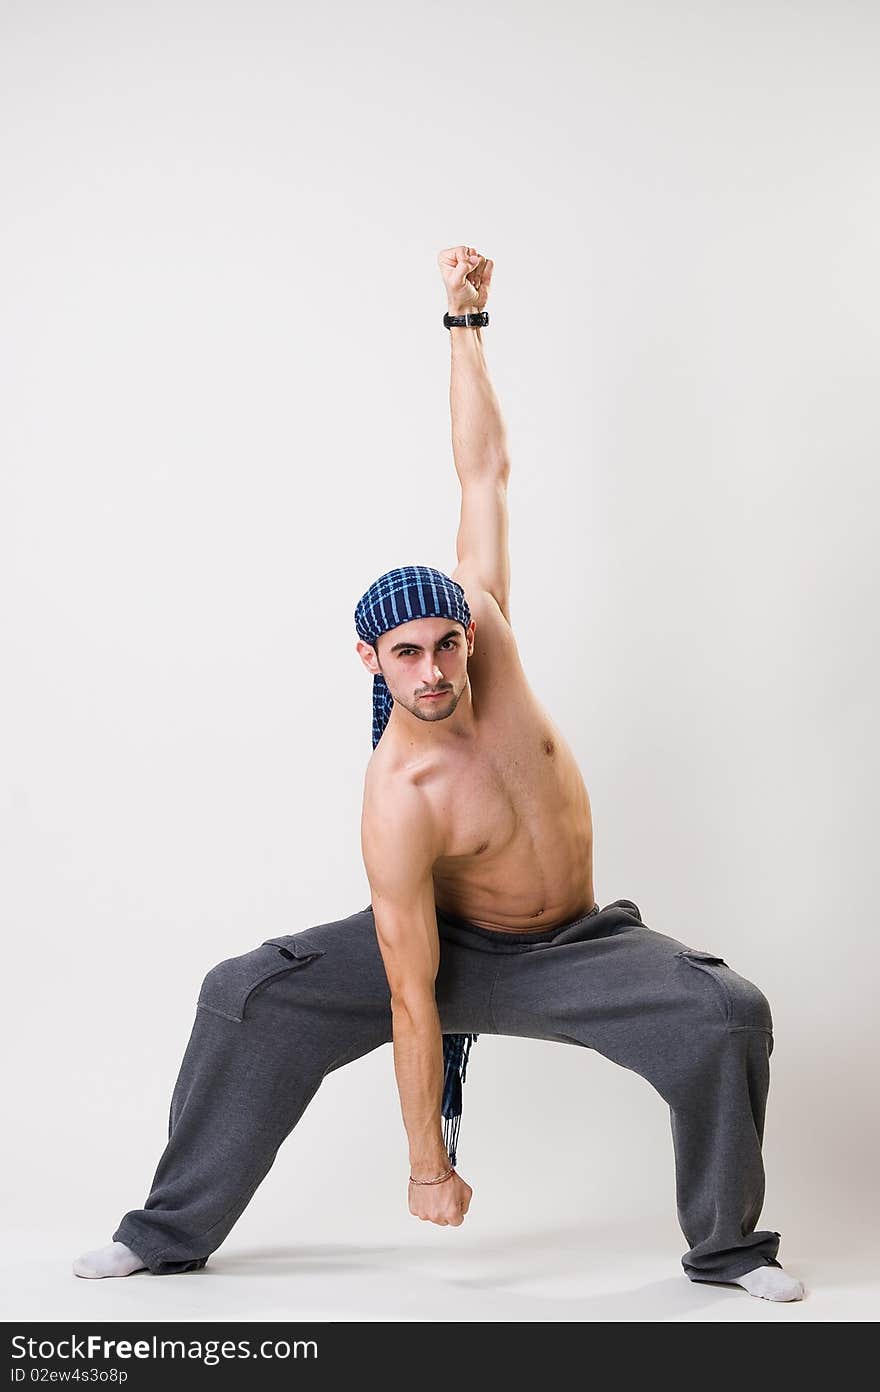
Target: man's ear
point(469, 634)
point(367, 654)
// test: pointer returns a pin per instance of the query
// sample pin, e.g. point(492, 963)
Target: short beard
point(427, 713)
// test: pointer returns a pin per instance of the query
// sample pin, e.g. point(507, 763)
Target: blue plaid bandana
point(398, 596)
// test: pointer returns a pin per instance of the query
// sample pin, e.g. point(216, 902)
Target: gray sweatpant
point(271, 1023)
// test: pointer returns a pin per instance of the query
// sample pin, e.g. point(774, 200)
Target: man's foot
point(770, 1283)
point(115, 1260)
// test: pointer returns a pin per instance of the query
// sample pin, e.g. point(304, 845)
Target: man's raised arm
point(479, 442)
point(399, 851)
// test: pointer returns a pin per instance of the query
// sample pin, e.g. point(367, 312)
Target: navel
point(482, 847)
point(549, 746)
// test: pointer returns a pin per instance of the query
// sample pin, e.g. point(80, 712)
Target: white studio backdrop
point(225, 386)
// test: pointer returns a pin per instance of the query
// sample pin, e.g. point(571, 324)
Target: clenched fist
point(466, 275)
point(445, 1203)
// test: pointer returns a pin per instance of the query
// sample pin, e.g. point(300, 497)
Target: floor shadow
point(498, 1264)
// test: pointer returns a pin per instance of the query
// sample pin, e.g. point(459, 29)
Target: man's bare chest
point(502, 791)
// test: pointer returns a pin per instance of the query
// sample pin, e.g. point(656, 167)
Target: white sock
point(770, 1283)
point(115, 1260)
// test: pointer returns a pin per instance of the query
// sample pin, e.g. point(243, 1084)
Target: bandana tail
point(456, 1048)
point(383, 704)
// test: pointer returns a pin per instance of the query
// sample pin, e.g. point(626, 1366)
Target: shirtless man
point(477, 843)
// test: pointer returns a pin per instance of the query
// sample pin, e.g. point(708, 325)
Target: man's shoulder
point(394, 788)
point(496, 656)
point(398, 820)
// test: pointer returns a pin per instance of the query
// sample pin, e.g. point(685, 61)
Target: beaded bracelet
point(450, 1171)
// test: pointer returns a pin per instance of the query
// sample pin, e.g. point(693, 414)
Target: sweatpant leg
point(270, 1025)
point(700, 1033)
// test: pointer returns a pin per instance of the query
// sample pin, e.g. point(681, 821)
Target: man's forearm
point(418, 1065)
point(479, 441)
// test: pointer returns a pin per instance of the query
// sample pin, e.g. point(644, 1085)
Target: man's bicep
point(398, 858)
point(406, 928)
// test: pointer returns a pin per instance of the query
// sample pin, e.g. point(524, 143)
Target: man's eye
point(405, 652)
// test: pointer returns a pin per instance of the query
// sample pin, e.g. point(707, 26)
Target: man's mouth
point(432, 695)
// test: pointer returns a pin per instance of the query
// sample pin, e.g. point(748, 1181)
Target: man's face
point(424, 663)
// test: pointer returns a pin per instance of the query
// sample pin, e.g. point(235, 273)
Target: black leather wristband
point(474, 319)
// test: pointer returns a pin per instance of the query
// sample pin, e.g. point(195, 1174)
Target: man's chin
point(436, 708)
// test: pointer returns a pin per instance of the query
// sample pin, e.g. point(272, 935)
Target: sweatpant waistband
point(596, 923)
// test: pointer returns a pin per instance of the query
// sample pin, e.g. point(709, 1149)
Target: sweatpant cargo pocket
point(229, 985)
point(743, 1005)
